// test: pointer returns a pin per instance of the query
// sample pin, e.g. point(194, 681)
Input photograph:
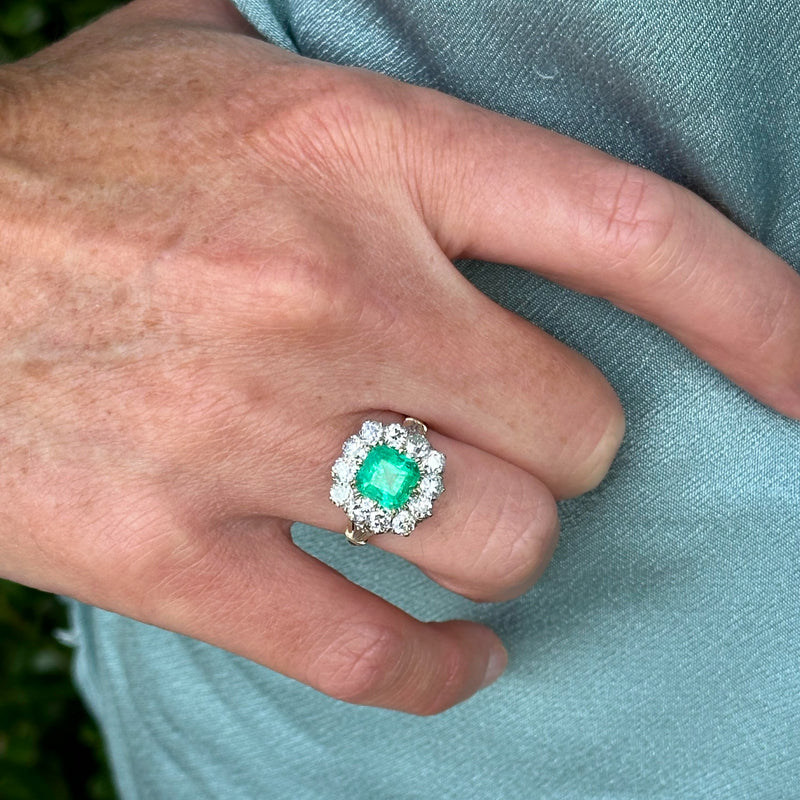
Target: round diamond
point(403, 523)
point(433, 462)
point(344, 469)
point(379, 521)
point(340, 494)
point(355, 448)
point(431, 486)
point(371, 431)
point(395, 435)
point(417, 445)
point(420, 506)
point(359, 510)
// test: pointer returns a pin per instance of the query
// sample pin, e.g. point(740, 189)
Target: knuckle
point(522, 528)
point(452, 672)
point(531, 549)
point(630, 219)
point(358, 665)
point(183, 564)
point(174, 565)
point(336, 126)
point(292, 285)
point(774, 315)
point(296, 288)
point(312, 287)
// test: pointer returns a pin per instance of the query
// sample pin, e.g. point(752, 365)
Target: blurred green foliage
point(29, 25)
point(49, 747)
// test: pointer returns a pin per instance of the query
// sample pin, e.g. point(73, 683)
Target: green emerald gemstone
point(387, 476)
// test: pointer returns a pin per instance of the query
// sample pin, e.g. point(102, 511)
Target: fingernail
point(498, 659)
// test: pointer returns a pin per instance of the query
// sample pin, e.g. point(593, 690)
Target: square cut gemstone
point(388, 477)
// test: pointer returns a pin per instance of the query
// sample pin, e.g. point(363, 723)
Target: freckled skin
point(36, 368)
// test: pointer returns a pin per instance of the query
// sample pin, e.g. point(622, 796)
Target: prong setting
point(387, 479)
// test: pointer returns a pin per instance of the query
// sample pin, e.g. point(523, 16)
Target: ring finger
point(491, 532)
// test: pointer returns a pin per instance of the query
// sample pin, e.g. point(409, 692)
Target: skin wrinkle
point(498, 568)
point(358, 662)
point(631, 220)
point(486, 581)
point(627, 203)
point(449, 686)
point(772, 315)
point(452, 198)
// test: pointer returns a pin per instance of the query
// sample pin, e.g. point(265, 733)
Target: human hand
point(219, 258)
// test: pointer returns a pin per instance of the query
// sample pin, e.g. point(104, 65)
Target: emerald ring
point(387, 479)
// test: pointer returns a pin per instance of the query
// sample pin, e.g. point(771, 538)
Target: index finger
point(508, 191)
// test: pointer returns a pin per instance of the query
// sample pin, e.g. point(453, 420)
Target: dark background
point(49, 747)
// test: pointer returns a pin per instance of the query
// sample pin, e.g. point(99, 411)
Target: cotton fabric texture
point(659, 655)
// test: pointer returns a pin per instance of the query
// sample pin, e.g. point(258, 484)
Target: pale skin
point(207, 242)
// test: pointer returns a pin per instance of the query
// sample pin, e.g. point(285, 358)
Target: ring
point(387, 479)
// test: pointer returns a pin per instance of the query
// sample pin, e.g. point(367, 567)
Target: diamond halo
point(387, 479)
